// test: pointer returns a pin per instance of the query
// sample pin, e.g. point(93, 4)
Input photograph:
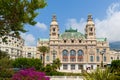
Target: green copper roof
point(101, 39)
point(71, 30)
point(71, 33)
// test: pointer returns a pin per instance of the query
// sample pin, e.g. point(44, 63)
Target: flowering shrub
point(30, 74)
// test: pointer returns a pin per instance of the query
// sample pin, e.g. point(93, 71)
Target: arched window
point(65, 55)
point(91, 58)
point(54, 56)
point(80, 55)
point(47, 58)
point(104, 58)
point(98, 58)
point(72, 56)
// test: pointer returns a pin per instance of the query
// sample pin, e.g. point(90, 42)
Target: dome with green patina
point(71, 34)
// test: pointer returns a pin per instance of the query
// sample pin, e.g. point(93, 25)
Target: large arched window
point(72, 56)
point(80, 55)
point(54, 56)
point(91, 58)
point(98, 59)
point(65, 55)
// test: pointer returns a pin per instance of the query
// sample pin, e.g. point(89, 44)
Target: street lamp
point(102, 53)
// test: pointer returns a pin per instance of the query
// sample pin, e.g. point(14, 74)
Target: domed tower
point(54, 29)
point(90, 28)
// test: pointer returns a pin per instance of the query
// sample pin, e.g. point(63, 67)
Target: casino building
point(76, 51)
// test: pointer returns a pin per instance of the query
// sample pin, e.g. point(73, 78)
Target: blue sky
point(106, 15)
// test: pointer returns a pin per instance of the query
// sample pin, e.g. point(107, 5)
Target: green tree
point(3, 54)
point(56, 64)
point(43, 49)
point(27, 63)
point(100, 74)
point(5, 68)
point(15, 13)
point(115, 66)
point(48, 68)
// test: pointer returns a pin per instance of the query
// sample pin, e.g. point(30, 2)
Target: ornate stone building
point(76, 50)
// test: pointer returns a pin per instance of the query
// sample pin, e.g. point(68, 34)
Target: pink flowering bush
point(30, 74)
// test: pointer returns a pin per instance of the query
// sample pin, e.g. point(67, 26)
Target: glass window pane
point(65, 66)
point(97, 58)
point(104, 58)
point(72, 56)
point(54, 56)
point(91, 58)
point(65, 55)
point(97, 50)
point(72, 66)
point(47, 58)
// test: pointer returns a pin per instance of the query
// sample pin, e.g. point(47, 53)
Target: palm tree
point(43, 49)
point(100, 74)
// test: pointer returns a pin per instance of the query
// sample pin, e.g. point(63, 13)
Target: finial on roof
point(89, 17)
point(54, 17)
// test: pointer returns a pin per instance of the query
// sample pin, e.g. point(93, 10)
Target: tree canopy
point(15, 13)
point(43, 49)
point(56, 64)
point(4, 54)
point(115, 66)
point(27, 63)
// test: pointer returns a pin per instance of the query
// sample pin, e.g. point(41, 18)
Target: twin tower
point(89, 29)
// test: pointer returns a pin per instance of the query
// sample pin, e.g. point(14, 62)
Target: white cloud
point(109, 27)
point(76, 24)
point(41, 25)
point(29, 39)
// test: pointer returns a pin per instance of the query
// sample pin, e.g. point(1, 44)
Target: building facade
point(75, 50)
point(13, 45)
point(114, 55)
point(29, 52)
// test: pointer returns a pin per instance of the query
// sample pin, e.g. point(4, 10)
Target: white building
point(29, 51)
point(14, 46)
point(114, 55)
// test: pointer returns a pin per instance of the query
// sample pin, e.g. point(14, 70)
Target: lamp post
point(102, 53)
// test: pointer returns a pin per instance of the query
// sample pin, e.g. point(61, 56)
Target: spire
point(54, 20)
point(89, 17)
point(54, 17)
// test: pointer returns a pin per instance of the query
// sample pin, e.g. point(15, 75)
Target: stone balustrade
point(66, 77)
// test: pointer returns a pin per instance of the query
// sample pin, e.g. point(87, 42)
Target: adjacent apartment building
point(13, 45)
